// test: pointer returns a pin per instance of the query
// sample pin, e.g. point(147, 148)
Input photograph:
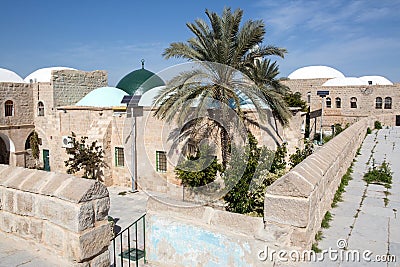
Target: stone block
point(51, 186)
point(88, 244)
point(75, 217)
point(6, 222)
point(291, 184)
point(296, 211)
point(8, 174)
point(274, 233)
point(82, 190)
point(86, 216)
point(102, 260)
point(309, 171)
point(54, 236)
point(24, 202)
point(34, 182)
point(237, 223)
point(8, 199)
point(101, 208)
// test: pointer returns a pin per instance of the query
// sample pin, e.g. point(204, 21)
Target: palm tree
point(223, 49)
point(264, 74)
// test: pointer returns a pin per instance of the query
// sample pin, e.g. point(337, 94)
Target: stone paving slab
point(15, 251)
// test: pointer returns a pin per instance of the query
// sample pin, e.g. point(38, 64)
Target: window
point(378, 103)
point(9, 108)
point(353, 102)
point(161, 161)
point(388, 102)
point(308, 97)
point(338, 102)
point(40, 109)
point(191, 149)
point(119, 157)
point(328, 102)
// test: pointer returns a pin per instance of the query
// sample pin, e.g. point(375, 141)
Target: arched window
point(328, 102)
point(40, 109)
point(353, 102)
point(338, 102)
point(378, 103)
point(9, 108)
point(388, 102)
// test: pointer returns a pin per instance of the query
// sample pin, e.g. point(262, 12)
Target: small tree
point(247, 194)
point(34, 143)
point(207, 167)
point(86, 157)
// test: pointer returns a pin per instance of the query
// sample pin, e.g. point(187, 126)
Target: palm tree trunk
point(225, 147)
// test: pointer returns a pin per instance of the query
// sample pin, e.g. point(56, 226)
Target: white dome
point(376, 80)
point(9, 76)
point(43, 75)
point(346, 81)
point(315, 72)
point(103, 97)
point(148, 97)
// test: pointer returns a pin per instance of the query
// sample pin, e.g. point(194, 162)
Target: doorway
point(46, 160)
point(397, 120)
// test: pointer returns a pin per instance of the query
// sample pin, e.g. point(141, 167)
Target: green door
point(46, 160)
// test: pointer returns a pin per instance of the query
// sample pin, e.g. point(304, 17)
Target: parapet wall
point(182, 235)
point(179, 234)
point(298, 201)
point(61, 213)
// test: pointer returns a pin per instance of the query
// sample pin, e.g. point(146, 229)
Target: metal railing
point(127, 243)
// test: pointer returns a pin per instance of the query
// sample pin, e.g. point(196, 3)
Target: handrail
point(120, 235)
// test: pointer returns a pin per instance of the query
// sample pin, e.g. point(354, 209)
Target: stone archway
point(6, 147)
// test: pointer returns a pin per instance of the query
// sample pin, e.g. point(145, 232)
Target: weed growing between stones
point(379, 175)
point(315, 248)
point(326, 220)
point(378, 125)
point(318, 237)
point(343, 183)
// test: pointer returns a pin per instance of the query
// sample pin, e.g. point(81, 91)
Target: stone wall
point(65, 215)
point(21, 95)
point(203, 236)
point(298, 201)
point(70, 86)
point(366, 96)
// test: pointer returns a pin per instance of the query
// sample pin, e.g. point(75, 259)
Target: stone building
point(349, 99)
point(58, 101)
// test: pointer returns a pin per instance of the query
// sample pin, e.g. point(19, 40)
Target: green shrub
point(294, 100)
point(369, 131)
point(300, 155)
point(248, 191)
point(206, 164)
point(279, 162)
point(379, 175)
point(378, 125)
point(338, 128)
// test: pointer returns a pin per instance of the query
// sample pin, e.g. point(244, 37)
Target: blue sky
point(356, 37)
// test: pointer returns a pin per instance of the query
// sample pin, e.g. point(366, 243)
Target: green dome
point(139, 79)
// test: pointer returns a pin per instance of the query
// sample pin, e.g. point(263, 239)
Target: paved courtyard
point(362, 221)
